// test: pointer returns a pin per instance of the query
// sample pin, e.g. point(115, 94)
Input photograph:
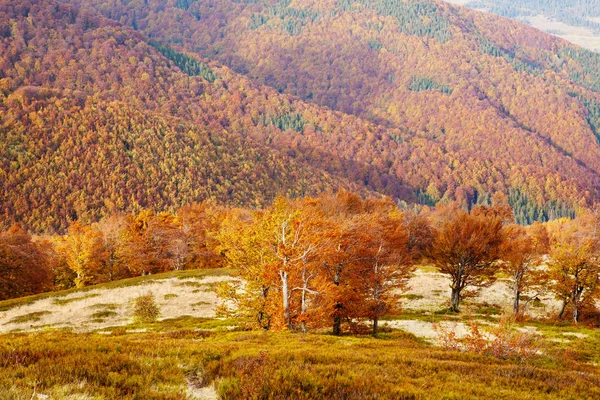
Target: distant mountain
point(116, 105)
point(575, 20)
point(484, 104)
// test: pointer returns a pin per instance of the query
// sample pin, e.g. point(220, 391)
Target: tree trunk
point(337, 320)
point(455, 299)
point(517, 294)
point(375, 324)
point(264, 319)
point(575, 314)
point(286, 299)
point(562, 309)
point(303, 307)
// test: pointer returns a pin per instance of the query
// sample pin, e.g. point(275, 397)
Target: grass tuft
point(31, 317)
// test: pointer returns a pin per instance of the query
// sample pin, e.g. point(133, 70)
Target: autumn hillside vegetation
point(300, 270)
point(109, 107)
point(469, 104)
point(333, 261)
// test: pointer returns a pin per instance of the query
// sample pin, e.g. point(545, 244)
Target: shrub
point(145, 308)
point(501, 341)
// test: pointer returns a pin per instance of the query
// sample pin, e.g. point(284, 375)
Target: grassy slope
point(161, 364)
point(196, 273)
point(163, 360)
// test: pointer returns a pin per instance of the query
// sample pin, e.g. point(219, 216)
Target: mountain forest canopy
point(110, 106)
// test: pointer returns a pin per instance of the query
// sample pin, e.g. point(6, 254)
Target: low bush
point(145, 308)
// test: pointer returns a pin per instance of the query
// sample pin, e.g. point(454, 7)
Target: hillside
point(241, 101)
point(190, 354)
point(468, 125)
point(96, 120)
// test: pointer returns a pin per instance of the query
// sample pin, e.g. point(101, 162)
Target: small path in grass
point(203, 393)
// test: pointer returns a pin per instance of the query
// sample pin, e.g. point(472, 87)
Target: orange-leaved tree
point(24, 265)
point(574, 266)
point(522, 253)
point(364, 256)
point(466, 247)
point(83, 252)
point(386, 262)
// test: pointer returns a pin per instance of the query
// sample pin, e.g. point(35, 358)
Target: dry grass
point(195, 355)
point(175, 358)
point(75, 309)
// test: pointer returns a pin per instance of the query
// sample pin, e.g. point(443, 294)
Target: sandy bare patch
point(101, 308)
point(426, 330)
point(575, 334)
point(431, 291)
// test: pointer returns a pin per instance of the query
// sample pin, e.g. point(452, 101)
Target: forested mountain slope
point(93, 120)
point(492, 104)
point(420, 101)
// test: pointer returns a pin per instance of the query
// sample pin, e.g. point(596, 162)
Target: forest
point(334, 261)
point(420, 101)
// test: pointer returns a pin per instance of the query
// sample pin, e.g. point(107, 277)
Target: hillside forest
point(111, 107)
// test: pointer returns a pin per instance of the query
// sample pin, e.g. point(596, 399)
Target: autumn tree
point(522, 252)
point(152, 243)
point(466, 246)
point(364, 256)
point(386, 263)
point(83, 251)
point(242, 248)
point(273, 251)
point(24, 265)
point(292, 239)
point(197, 221)
point(574, 267)
point(111, 228)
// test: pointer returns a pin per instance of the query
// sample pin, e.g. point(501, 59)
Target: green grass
point(104, 306)
point(61, 302)
point(488, 310)
point(193, 273)
point(170, 296)
point(31, 317)
point(411, 296)
point(102, 315)
point(427, 268)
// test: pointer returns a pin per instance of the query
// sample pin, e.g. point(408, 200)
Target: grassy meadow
point(190, 357)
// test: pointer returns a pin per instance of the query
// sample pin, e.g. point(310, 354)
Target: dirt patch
point(430, 291)
point(203, 393)
point(77, 312)
point(426, 330)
